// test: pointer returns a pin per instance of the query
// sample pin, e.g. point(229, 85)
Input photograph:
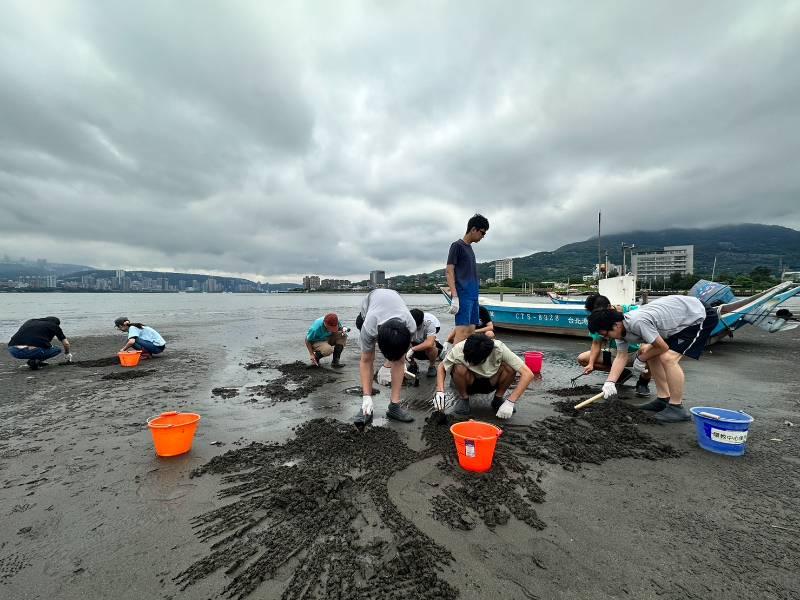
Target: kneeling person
point(140, 337)
point(424, 345)
point(32, 341)
point(326, 336)
point(480, 365)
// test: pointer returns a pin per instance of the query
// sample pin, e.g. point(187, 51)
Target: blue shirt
point(462, 257)
point(317, 331)
point(148, 334)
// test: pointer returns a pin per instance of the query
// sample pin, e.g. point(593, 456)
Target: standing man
point(384, 319)
point(32, 342)
point(462, 278)
point(424, 345)
point(326, 336)
point(480, 365)
point(674, 326)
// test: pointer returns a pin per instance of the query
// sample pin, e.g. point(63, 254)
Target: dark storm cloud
point(276, 139)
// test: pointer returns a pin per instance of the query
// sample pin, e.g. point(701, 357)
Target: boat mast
point(714, 268)
point(599, 214)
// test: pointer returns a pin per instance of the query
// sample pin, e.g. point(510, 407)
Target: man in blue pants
point(32, 341)
point(463, 280)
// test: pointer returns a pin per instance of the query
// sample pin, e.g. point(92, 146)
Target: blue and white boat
point(572, 319)
point(559, 299)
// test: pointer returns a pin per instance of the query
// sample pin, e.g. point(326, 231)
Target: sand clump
point(297, 380)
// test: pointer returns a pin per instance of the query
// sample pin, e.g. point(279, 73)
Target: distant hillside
point(14, 269)
point(738, 248)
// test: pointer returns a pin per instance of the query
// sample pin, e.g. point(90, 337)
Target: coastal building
point(504, 269)
point(377, 279)
point(334, 284)
point(311, 282)
point(658, 264)
point(790, 276)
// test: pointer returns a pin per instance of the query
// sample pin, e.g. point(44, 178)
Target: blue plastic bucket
point(721, 431)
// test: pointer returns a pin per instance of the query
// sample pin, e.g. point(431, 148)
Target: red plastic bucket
point(533, 360)
point(475, 443)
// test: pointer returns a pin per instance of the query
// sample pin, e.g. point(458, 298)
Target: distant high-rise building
point(377, 278)
point(120, 276)
point(504, 269)
point(658, 264)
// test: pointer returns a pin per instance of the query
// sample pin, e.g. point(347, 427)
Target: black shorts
point(607, 358)
point(692, 341)
point(420, 355)
point(481, 385)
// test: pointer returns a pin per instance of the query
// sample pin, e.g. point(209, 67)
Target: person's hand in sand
point(439, 400)
point(366, 405)
point(506, 410)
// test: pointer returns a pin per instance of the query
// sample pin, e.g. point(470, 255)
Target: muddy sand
point(598, 503)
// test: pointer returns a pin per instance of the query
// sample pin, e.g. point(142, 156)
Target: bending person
point(599, 359)
point(424, 345)
point(480, 365)
point(386, 321)
point(326, 336)
point(140, 337)
point(674, 326)
point(32, 342)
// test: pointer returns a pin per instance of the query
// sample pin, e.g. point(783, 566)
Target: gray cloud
point(276, 139)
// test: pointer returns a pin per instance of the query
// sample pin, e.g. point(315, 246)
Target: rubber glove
point(68, 358)
point(366, 405)
point(439, 400)
point(410, 354)
point(506, 410)
point(609, 389)
point(384, 376)
point(454, 306)
point(639, 366)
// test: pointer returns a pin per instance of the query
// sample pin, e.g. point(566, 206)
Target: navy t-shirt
point(484, 317)
point(37, 333)
point(462, 257)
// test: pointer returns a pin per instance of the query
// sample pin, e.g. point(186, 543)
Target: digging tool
point(574, 379)
point(589, 401)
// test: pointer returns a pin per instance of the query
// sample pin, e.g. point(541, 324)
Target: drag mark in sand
point(319, 505)
point(297, 380)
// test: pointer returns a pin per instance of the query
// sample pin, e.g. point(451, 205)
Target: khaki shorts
point(326, 348)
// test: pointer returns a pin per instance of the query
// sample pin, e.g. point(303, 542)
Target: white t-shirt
point(378, 307)
point(663, 317)
point(427, 328)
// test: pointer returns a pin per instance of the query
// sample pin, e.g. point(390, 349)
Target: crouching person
point(480, 365)
point(326, 336)
point(33, 342)
point(140, 337)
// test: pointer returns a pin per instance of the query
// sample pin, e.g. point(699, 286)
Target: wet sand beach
point(281, 497)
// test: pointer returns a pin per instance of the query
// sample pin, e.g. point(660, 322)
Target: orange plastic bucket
point(173, 432)
point(129, 359)
point(475, 442)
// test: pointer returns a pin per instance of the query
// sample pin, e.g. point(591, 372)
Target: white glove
point(445, 350)
point(609, 389)
point(639, 366)
point(506, 410)
point(454, 306)
point(366, 405)
point(384, 376)
point(410, 354)
point(345, 330)
point(68, 358)
point(439, 399)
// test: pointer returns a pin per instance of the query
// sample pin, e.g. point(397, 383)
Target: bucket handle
point(709, 415)
point(498, 433)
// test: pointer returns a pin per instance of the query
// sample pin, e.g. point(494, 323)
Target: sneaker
point(656, 405)
point(337, 365)
point(673, 413)
point(33, 364)
point(498, 402)
point(431, 371)
point(398, 413)
point(642, 389)
point(462, 407)
point(624, 376)
point(361, 420)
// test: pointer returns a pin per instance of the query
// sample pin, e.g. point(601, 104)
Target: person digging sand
point(326, 336)
point(424, 345)
point(384, 319)
point(32, 342)
point(140, 337)
point(674, 326)
point(480, 365)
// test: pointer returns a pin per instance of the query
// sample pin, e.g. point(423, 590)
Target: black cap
point(119, 321)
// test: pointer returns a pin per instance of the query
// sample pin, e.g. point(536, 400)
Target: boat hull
point(557, 319)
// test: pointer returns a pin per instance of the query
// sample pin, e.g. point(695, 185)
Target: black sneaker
point(655, 405)
point(361, 420)
point(33, 364)
point(462, 407)
point(624, 376)
point(398, 413)
point(497, 402)
point(642, 389)
point(431, 371)
point(673, 413)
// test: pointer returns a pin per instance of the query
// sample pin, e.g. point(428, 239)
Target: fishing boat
point(761, 310)
point(559, 299)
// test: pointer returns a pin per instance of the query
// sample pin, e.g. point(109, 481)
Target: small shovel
point(589, 401)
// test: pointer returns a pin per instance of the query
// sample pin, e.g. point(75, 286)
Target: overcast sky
point(274, 139)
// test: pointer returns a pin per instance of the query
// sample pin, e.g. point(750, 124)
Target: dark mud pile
point(126, 375)
point(297, 381)
point(100, 362)
point(224, 392)
point(580, 390)
point(319, 505)
point(606, 413)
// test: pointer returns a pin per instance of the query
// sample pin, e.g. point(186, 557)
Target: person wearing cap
point(32, 342)
point(140, 337)
point(384, 321)
point(326, 336)
point(674, 326)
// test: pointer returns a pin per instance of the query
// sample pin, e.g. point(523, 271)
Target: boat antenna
point(599, 215)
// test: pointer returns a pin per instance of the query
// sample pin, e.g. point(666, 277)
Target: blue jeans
point(33, 353)
point(150, 347)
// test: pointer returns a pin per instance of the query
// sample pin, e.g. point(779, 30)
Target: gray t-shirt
point(427, 328)
point(663, 318)
point(378, 307)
